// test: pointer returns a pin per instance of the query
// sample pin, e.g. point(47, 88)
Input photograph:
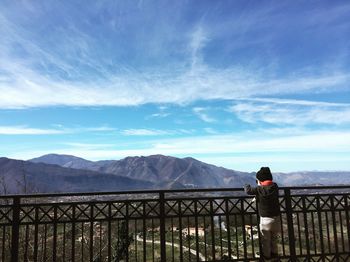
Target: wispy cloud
point(210, 130)
point(292, 112)
point(201, 113)
point(59, 130)
point(198, 40)
point(163, 112)
point(37, 75)
point(257, 142)
point(233, 151)
point(146, 132)
point(23, 130)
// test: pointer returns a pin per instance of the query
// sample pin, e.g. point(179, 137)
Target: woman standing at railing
point(266, 194)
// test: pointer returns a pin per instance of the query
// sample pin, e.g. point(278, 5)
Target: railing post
point(289, 213)
point(15, 229)
point(162, 227)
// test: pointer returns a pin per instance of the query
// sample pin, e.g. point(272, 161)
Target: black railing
point(178, 225)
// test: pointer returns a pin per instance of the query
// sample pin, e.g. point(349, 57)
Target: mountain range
point(65, 173)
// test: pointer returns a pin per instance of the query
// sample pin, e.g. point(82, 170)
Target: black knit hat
point(264, 174)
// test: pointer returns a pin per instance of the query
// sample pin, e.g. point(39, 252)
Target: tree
point(123, 242)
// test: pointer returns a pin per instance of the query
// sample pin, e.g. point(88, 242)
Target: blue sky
point(238, 84)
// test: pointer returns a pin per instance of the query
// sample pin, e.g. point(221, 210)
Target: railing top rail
point(133, 192)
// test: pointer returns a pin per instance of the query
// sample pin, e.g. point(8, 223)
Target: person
point(266, 194)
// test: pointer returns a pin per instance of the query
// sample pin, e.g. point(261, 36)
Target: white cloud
point(201, 113)
point(28, 88)
point(247, 151)
point(256, 142)
point(145, 132)
point(294, 102)
point(23, 130)
point(158, 115)
point(198, 40)
point(23, 85)
point(292, 112)
point(210, 130)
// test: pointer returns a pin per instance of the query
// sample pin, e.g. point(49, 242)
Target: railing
point(180, 225)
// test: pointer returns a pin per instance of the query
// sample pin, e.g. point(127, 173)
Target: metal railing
point(172, 225)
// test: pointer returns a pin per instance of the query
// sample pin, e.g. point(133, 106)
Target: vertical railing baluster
point(313, 231)
point(212, 225)
point(82, 241)
point(188, 238)
point(347, 211)
point(220, 236)
point(236, 236)
point(15, 228)
point(205, 237)
point(91, 243)
point(152, 221)
point(162, 227)
point(244, 237)
point(44, 243)
point(73, 233)
point(109, 234)
point(135, 242)
point(320, 228)
point(26, 243)
point(328, 233)
point(196, 228)
point(36, 232)
point(172, 240)
point(54, 248)
point(251, 234)
point(228, 228)
point(300, 241)
point(341, 231)
point(289, 213)
point(127, 216)
point(282, 236)
point(306, 227)
point(144, 214)
point(180, 229)
point(3, 243)
point(64, 242)
point(335, 234)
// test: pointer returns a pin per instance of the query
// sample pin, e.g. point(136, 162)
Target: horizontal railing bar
point(107, 202)
point(133, 192)
point(128, 201)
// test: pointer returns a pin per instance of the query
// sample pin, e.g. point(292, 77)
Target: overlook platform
point(172, 225)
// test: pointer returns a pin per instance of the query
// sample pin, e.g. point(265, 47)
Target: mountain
point(67, 161)
point(171, 172)
point(58, 173)
point(313, 178)
point(18, 176)
point(164, 171)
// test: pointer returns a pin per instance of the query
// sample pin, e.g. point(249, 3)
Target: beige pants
point(270, 228)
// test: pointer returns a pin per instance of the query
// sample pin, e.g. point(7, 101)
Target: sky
point(238, 84)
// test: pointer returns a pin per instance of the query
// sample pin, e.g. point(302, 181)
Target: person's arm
point(250, 190)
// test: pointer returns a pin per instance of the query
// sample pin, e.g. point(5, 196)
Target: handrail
point(165, 191)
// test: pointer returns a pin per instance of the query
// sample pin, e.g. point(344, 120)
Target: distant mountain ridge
point(17, 176)
point(158, 169)
point(65, 173)
point(190, 172)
